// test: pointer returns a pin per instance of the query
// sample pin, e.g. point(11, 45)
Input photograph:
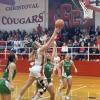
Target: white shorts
point(67, 77)
point(35, 71)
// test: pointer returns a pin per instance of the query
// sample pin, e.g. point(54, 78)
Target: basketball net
point(88, 13)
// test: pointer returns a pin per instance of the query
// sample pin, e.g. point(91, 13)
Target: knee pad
point(41, 91)
point(42, 83)
point(43, 86)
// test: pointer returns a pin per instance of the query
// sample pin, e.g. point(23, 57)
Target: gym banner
point(23, 14)
point(69, 10)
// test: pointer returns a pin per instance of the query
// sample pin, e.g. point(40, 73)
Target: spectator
point(64, 49)
point(98, 30)
point(82, 51)
point(76, 49)
point(39, 30)
point(70, 44)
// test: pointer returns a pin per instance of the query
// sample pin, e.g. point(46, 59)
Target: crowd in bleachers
point(74, 37)
point(81, 39)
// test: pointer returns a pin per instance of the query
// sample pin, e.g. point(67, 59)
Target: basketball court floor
point(83, 88)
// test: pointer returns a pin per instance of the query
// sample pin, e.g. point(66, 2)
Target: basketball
point(59, 23)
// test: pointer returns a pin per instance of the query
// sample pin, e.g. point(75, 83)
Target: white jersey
point(36, 68)
point(38, 59)
point(56, 62)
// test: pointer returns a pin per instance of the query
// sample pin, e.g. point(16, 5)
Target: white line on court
point(64, 92)
point(44, 98)
point(78, 88)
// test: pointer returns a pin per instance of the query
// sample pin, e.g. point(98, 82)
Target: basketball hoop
point(88, 13)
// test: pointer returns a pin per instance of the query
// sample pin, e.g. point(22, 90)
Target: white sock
point(36, 97)
point(67, 98)
point(18, 98)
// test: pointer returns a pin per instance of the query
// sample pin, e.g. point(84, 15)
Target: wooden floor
point(83, 88)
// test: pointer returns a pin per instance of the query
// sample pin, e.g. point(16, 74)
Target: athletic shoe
point(18, 98)
point(60, 94)
point(67, 98)
point(36, 97)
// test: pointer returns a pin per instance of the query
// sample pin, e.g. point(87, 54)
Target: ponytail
point(11, 58)
point(7, 65)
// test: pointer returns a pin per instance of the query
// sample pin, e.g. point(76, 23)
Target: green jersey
point(66, 70)
point(48, 71)
point(6, 73)
point(3, 88)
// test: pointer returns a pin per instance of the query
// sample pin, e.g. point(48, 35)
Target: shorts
point(67, 77)
point(35, 71)
point(3, 88)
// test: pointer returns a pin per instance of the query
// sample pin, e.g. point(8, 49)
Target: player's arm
point(11, 71)
point(60, 64)
point(16, 56)
point(54, 51)
point(51, 40)
point(31, 56)
point(73, 65)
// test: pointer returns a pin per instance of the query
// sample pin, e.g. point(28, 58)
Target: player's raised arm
point(60, 63)
point(58, 26)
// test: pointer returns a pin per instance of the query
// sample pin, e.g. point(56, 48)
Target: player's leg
point(25, 87)
point(7, 96)
point(69, 81)
point(41, 88)
point(63, 84)
point(51, 91)
point(2, 97)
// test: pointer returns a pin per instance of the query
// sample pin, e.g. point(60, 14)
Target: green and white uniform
point(3, 82)
point(47, 72)
point(66, 69)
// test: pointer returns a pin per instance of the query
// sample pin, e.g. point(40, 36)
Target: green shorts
point(3, 88)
